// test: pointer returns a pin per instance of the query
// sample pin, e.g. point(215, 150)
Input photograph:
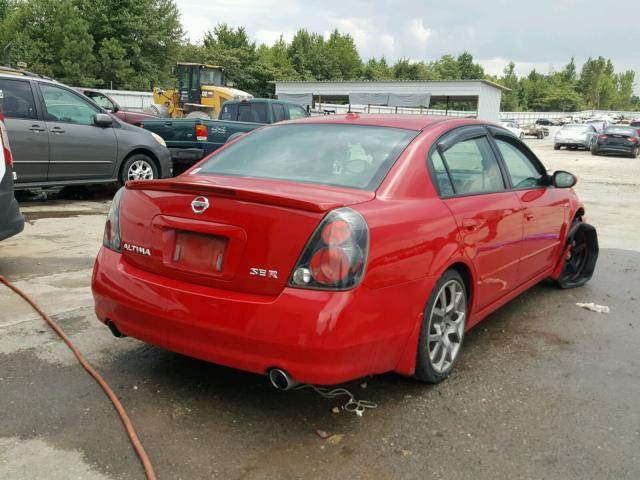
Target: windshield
point(621, 131)
point(210, 76)
point(353, 156)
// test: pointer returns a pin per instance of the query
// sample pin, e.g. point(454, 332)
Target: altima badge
point(199, 205)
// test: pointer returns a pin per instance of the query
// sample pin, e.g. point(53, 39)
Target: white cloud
point(269, 37)
point(418, 30)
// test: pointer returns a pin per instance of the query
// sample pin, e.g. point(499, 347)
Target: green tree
point(468, 70)
point(510, 100)
point(377, 70)
point(447, 68)
point(343, 56)
point(149, 33)
point(52, 38)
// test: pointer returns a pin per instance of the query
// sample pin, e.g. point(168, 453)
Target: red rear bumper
point(316, 336)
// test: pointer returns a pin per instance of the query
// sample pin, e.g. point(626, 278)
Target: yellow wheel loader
point(200, 94)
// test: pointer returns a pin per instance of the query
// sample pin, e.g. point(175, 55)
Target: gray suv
point(60, 137)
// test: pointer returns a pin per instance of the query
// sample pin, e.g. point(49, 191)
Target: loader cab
point(191, 78)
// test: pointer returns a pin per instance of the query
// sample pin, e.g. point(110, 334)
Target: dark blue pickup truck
point(191, 139)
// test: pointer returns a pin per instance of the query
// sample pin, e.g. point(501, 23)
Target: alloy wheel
point(446, 326)
point(140, 170)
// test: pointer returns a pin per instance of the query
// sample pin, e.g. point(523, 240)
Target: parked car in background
point(11, 220)
point(265, 255)
point(544, 121)
point(573, 135)
point(513, 128)
point(599, 123)
point(110, 105)
point(618, 139)
point(60, 137)
point(635, 124)
point(191, 139)
point(535, 130)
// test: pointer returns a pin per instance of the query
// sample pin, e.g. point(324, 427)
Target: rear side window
point(442, 177)
point(522, 171)
point(278, 112)
point(17, 99)
point(229, 111)
point(473, 167)
point(252, 112)
point(296, 112)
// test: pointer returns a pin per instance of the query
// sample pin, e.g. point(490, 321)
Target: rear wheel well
point(465, 273)
point(141, 151)
point(578, 214)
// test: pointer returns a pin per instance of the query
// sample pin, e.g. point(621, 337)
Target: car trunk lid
point(247, 239)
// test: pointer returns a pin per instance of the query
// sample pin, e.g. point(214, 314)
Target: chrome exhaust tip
point(114, 329)
point(281, 379)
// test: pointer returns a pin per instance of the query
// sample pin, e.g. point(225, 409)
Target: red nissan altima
point(330, 248)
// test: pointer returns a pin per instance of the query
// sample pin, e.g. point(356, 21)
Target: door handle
point(36, 128)
point(528, 216)
point(57, 130)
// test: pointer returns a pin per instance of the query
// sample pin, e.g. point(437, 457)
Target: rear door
point(79, 149)
point(27, 131)
point(543, 207)
point(489, 217)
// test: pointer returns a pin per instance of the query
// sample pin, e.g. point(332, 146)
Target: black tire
point(635, 153)
point(556, 147)
point(594, 149)
point(540, 135)
point(582, 241)
point(426, 370)
point(138, 167)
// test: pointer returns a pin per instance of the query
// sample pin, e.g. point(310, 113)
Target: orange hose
point(135, 441)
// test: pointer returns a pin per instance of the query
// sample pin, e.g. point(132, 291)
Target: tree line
point(134, 45)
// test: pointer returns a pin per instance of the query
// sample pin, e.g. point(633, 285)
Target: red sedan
point(330, 248)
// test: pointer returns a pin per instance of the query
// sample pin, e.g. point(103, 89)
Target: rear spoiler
point(281, 199)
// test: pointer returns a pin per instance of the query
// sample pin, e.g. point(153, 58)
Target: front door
point(489, 217)
point(544, 207)
point(28, 134)
point(78, 149)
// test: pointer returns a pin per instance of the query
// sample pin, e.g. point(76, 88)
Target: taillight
point(6, 149)
point(603, 137)
point(111, 238)
point(201, 132)
point(335, 256)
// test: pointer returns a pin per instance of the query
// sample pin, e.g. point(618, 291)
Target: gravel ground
point(543, 390)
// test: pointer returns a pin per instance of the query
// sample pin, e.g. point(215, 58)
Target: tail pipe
point(281, 379)
point(114, 329)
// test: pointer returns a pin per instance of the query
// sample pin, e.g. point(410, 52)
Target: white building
point(413, 93)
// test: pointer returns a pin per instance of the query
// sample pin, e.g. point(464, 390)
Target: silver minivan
point(60, 137)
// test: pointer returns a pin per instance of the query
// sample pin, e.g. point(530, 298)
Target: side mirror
point(115, 108)
point(103, 120)
point(562, 179)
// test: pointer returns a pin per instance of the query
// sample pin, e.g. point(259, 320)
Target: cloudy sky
point(543, 34)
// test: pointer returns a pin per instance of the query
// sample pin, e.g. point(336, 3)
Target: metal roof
point(486, 82)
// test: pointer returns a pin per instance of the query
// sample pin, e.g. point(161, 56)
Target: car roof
point(410, 122)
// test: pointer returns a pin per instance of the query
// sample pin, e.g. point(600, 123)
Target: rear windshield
point(574, 127)
point(621, 131)
point(353, 156)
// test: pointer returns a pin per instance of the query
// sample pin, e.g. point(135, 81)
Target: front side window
point(473, 167)
point(64, 106)
point(522, 171)
point(17, 99)
point(353, 156)
point(296, 112)
point(101, 100)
